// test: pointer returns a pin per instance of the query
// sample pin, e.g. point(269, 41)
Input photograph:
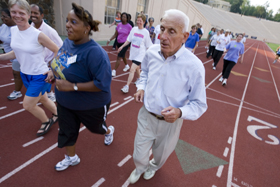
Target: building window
point(142, 6)
point(111, 7)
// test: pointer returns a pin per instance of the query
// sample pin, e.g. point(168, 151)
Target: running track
point(235, 143)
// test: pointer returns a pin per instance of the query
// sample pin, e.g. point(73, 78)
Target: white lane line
point(7, 84)
point(99, 182)
point(1, 108)
point(33, 141)
point(126, 183)
point(121, 163)
point(226, 152)
point(230, 168)
point(120, 75)
point(127, 98)
point(272, 76)
point(229, 140)
point(8, 175)
point(214, 185)
point(119, 80)
point(12, 79)
point(113, 61)
point(220, 170)
point(116, 103)
point(20, 102)
point(13, 113)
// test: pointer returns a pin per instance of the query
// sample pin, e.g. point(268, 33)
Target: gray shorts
point(15, 65)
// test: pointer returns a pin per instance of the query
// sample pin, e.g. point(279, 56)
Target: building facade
point(223, 5)
point(105, 11)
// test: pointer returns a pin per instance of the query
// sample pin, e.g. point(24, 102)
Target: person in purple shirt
point(233, 50)
point(193, 39)
point(122, 31)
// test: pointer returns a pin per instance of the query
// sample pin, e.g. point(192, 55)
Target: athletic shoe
point(221, 79)
point(109, 137)
point(214, 68)
point(14, 95)
point(149, 174)
point(207, 51)
point(113, 73)
point(126, 68)
point(224, 82)
point(274, 61)
point(125, 89)
point(66, 162)
point(133, 178)
point(213, 64)
point(136, 82)
point(51, 96)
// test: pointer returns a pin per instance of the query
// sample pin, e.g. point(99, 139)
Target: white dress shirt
point(178, 81)
point(53, 35)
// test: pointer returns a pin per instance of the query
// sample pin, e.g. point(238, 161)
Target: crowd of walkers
point(162, 57)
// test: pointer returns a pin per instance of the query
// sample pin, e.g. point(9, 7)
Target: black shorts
point(136, 62)
point(278, 54)
point(70, 121)
point(123, 51)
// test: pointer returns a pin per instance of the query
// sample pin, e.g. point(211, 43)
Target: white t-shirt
point(157, 33)
point(140, 41)
point(5, 37)
point(243, 40)
point(224, 40)
point(29, 52)
point(214, 39)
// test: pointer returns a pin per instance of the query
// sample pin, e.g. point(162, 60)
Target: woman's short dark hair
point(86, 17)
point(129, 16)
point(124, 13)
point(151, 18)
point(7, 11)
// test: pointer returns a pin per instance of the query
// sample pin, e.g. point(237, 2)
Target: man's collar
point(41, 26)
point(177, 54)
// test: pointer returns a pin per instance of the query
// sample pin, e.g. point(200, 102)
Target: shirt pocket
point(174, 87)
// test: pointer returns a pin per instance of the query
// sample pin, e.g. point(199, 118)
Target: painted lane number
point(252, 129)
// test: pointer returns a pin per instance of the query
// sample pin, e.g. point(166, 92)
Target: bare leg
point(124, 60)
point(138, 72)
point(71, 150)
point(131, 73)
point(30, 104)
point(48, 104)
point(17, 80)
point(117, 63)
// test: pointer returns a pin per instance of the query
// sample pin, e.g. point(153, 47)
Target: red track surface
point(249, 101)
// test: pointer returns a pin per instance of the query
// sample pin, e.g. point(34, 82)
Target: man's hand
point(138, 96)
point(171, 114)
point(64, 85)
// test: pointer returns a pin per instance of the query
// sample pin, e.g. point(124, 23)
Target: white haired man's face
point(171, 36)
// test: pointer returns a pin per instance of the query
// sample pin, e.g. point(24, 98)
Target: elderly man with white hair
point(172, 85)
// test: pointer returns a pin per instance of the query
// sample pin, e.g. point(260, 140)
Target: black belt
point(157, 116)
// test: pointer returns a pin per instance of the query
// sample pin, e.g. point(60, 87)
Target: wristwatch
point(75, 87)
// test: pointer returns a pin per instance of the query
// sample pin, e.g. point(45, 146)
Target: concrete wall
point(155, 9)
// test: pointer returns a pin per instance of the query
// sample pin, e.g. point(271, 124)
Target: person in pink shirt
point(37, 16)
point(122, 31)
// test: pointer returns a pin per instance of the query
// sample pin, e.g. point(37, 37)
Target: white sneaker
point(214, 68)
point(149, 174)
point(109, 137)
point(221, 79)
point(224, 82)
point(125, 89)
point(136, 82)
point(113, 73)
point(51, 96)
point(14, 95)
point(274, 61)
point(126, 68)
point(66, 162)
point(133, 178)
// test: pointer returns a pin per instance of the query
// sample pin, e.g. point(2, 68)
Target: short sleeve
point(129, 38)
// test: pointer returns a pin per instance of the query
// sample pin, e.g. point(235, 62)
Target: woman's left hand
point(50, 76)
point(64, 85)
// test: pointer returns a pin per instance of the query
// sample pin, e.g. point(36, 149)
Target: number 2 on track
point(252, 129)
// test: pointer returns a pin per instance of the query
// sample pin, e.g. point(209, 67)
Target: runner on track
point(212, 44)
point(172, 86)
point(122, 31)
point(5, 37)
point(193, 39)
point(38, 22)
point(277, 55)
point(85, 96)
point(233, 50)
point(139, 38)
point(28, 47)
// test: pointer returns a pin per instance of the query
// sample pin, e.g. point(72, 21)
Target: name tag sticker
point(71, 60)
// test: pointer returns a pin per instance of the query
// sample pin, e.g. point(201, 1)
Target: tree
point(202, 1)
point(235, 6)
point(245, 6)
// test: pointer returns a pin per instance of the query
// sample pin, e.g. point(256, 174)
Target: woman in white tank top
point(28, 47)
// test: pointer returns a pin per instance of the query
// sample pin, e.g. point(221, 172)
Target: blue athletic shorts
point(35, 84)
